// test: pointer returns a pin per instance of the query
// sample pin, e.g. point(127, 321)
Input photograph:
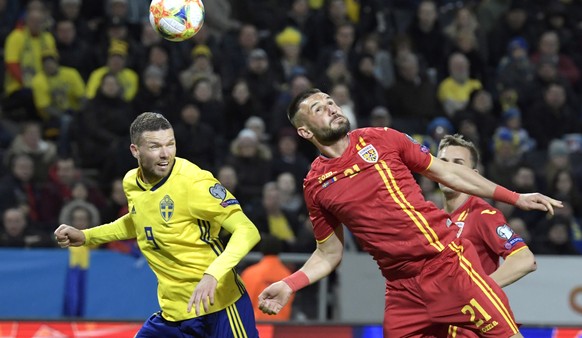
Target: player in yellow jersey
point(176, 211)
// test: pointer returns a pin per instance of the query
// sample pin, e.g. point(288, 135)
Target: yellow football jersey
point(176, 222)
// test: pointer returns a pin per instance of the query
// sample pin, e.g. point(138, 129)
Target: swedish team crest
point(167, 208)
point(369, 154)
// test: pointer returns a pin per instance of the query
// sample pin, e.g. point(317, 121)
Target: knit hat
point(288, 36)
point(118, 47)
point(201, 50)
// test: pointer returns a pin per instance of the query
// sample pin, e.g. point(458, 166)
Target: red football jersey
point(488, 230)
point(371, 190)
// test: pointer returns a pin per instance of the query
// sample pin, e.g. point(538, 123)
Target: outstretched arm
point(322, 262)
point(514, 267)
point(465, 179)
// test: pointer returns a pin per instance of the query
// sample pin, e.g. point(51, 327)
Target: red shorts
point(452, 288)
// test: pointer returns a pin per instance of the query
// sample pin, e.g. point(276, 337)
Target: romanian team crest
point(369, 154)
point(166, 208)
point(218, 191)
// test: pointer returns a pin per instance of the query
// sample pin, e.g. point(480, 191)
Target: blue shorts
point(235, 321)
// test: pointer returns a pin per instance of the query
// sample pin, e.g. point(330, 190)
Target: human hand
point(274, 297)
point(537, 201)
point(67, 236)
point(204, 292)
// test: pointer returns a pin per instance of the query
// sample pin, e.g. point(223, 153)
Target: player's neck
point(454, 201)
point(336, 149)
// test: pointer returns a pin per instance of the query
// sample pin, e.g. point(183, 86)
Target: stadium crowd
point(504, 73)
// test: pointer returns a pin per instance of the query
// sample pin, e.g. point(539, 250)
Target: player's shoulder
point(130, 181)
point(484, 209)
point(184, 169)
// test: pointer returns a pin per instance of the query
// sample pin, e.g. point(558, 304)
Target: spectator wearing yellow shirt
point(58, 93)
point(23, 60)
point(455, 90)
point(128, 79)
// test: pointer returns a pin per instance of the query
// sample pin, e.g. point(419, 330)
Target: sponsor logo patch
point(218, 191)
point(504, 231)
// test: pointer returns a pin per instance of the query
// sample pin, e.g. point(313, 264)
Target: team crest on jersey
point(218, 191)
point(504, 231)
point(167, 208)
point(369, 154)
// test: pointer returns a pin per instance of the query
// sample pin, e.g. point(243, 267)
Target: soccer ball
point(177, 20)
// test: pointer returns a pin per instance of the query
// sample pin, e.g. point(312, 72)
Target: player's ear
point(133, 149)
point(304, 132)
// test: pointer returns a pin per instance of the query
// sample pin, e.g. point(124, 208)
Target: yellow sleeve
point(40, 91)
point(13, 47)
point(120, 229)
point(78, 83)
point(442, 90)
point(94, 82)
point(244, 237)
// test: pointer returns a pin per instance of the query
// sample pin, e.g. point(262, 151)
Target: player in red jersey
point(482, 224)
point(363, 179)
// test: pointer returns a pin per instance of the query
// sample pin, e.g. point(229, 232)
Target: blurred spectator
point(465, 26)
point(201, 66)
point(383, 60)
point(511, 123)
point(17, 231)
point(239, 106)
point(116, 65)
point(58, 93)
point(514, 69)
point(268, 270)
point(219, 19)
point(506, 158)
point(70, 11)
point(321, 28)
point(30, 142)
point(381, 118)
point(74, 50)
point(211, 109)
point(563, 187)
point(272, 220)
point(549, 47)
point(298, 83)
point(524, 180)
point(343, 44)
point(197, 140)
point(237, 52)
point(520, 227)
point(291, 200)
point(103, 124)
point(551, 110)
point(261, 78)
point(18, 190)
point(554, 237)
point(546, 73)
point(455, 90)
point(289, 42)
point(160, 55)
point(426, 34)
point(251, 163)
point(116, 204)
point(298, 14)
point(226, 175)
point(368, 91)
point(341, 94)
point(155, 95)
point(287, 159)
point(412, 99)
point(465, 43)
point(23, 60)
point(515, 22)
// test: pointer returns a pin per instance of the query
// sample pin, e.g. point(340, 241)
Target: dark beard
point(329, 136)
